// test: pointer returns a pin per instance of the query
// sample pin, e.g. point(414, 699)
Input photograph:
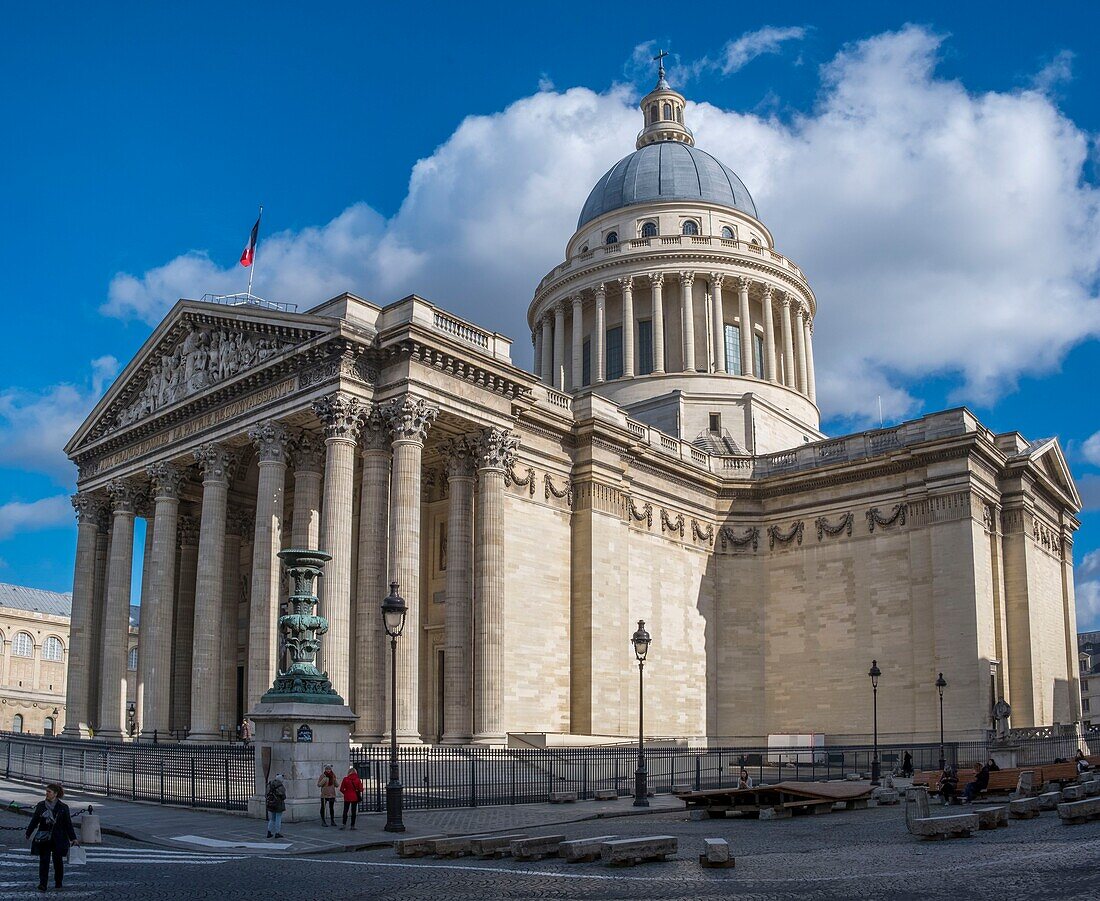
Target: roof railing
point(244, 299)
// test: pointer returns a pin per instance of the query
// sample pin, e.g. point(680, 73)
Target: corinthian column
point(559, 346)
point(789, 378)
point(496, 454)
point(578, 343)
point(746, 326)
point(458, 632)
point(183, 635)
point(95, 637)
point(155, 652)
point(305, 524)
point(371, 585)
point(601, 334)
point(238, 525)
point(218, 464)
point(89, 510)
point(116, 617)
point(340, 414)
point(800, 348)
point(536, 341)
point(769, 336)
point(687, 316)
point(263, 638)
point(409, 418)
point(718, 323)
point(627, 285)
point(811, 379)
point(657, 281)
point(547, 352)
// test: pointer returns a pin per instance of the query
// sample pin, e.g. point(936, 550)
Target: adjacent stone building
point(663, 462)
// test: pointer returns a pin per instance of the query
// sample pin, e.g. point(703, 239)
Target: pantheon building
point(664, 462)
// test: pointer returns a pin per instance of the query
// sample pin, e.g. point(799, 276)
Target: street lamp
point(641, 641)
point(874, 673)
point(394, 609)
point(131, 718)
point(941, 684)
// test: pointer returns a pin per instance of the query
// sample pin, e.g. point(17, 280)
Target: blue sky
point(936, 157)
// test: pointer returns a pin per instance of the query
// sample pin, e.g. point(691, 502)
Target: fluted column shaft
point(77, 682)
point(811, 378)
point(217, 464)
point(657, 281)
point(95, 638)
point(236, 522)
point(305, 522)
point(410, 420)
point(601, 334)
point(687, 317)
point(559, 346)
point(263, 639)
point(536, 343)
point(458, 627)
point(800, 350)
point(371, 585)
point(496, 452)
point(746, 327)
point(578, 343)
point(717, 323)
point(627, 285)
point(547, 352)
point(340, 414)
point(183, 635)
point(155, 649)
point(769, 337)
point(116, 618)
point(789, 378)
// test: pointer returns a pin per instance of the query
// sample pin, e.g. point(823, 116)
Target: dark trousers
point(331, 804)
point(971, 792)
point(44, 867)
point(352, 806)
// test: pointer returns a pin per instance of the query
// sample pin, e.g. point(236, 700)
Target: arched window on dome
point(756, 241)
point(612, 238)
point(727, 232)
point(649, 229)
point(584, 249)
point(690, 227)
point(654, 113)
point(668, 110)
point(680, 115)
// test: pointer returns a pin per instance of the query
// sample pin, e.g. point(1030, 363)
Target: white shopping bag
point(77, 856)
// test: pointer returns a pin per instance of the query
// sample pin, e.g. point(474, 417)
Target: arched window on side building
point(52, 649)
point(22, 645)
point(17, 723)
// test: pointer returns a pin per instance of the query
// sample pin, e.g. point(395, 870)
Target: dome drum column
point(547, 353)
point(558, 375)
point(687, 319)
point(769, 336)
point(788, 342)
point(578, 343)
point(800, 349)
point(718, 326)
point(811, 386)
point(627, 285)
point(656, 281)
point(601, 334)
point(745, 327)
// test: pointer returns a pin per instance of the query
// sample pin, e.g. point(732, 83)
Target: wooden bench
point(1061, 773)
point(627, 852)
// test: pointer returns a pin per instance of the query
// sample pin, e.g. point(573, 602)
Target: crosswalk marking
point(117, 856)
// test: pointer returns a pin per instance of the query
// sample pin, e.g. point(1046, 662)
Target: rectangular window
point(615, 353)
point(758, 356)
point(733, 349)
point(644, 357)
point(716, 422)
point(586, 363)
point(1084, 685)
point(1085, 705)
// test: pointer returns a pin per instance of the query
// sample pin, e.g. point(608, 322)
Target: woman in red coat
point(352, 789)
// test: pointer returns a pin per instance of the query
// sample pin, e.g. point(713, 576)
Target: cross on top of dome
point(663, 112)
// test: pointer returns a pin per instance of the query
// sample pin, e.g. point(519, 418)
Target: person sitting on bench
point(744, 780)
point(979, 785)
point(949, 785)
point(992, 764)
point(1083, 766)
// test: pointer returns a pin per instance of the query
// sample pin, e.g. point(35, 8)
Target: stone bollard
point(89, 828)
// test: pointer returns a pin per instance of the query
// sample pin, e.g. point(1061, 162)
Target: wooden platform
point(786, 797)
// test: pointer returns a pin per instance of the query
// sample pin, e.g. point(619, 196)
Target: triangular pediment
point(1048, 459)
point(197, 348)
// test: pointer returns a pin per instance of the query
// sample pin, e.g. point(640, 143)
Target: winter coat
point(276, 796)
point(327, 783)
point(350, 787)
point(63, 832)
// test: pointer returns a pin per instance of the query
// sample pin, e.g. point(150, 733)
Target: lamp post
point(131, 718)
point(394, 609)
point(641, 641)
point(941, 684)
point(874, 673)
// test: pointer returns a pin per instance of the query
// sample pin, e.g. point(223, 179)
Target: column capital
point(769, 292)
point(340, 414)
point(187, 528)
point(744, 283)
point(656, 279)
point(374, 432)
point(459, 456)
point(798, 306)
point(626, 283)
point(239, 521)
point(600, 291)
point(90, 507)
point(687, 279)
point(217, 462)
point(409, 418)
point(272, 440)
point(496, 449)
point(561, 308)
point(576, 300)
point(125, 495)
point(166, 479)
point(307, 451)
point(717, 278)
point(809, 325)
point(784, 299)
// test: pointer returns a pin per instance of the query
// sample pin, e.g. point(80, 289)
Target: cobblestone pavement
point(857, 854)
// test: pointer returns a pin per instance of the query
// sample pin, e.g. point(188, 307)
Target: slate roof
point(35, 600)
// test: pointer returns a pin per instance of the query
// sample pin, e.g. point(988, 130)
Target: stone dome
point(666, 170)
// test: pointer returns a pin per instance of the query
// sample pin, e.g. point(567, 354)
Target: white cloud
point(1086, 589)
point(1090, 449)
point(35, 425)
point(944, 232)
point(740, 52)
point(16, 516)
point(1055, 73)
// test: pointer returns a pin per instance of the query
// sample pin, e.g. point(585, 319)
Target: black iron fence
point(219, 776)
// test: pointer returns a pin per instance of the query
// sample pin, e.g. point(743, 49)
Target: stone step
point(1073, 792)
point(536, 848)
point(495, 845)
point(606, 794)
point(627, 852)
point(454, 845)
point(419, 846)
point(992, 817)
point(716, 853)
point(944, 827)
point(1024, 808)
point(562, 797)
point(1049, 800)
point(583, 849)
point(1073, 812)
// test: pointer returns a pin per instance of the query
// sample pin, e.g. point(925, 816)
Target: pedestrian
point(907, 765)
point(979, 785)
point(352, 789)
point(52, 829)
point(327, 783)
point(276, 804)
point(246, 731)
point(949, 785)
point(1083, 765)
point(744, 780)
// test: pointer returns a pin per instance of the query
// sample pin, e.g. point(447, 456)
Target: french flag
point(249, 252)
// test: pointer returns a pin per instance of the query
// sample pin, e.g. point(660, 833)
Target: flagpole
point(252, 268)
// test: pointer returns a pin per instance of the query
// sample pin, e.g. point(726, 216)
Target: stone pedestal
point(1005, 757)
point(280, 748)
